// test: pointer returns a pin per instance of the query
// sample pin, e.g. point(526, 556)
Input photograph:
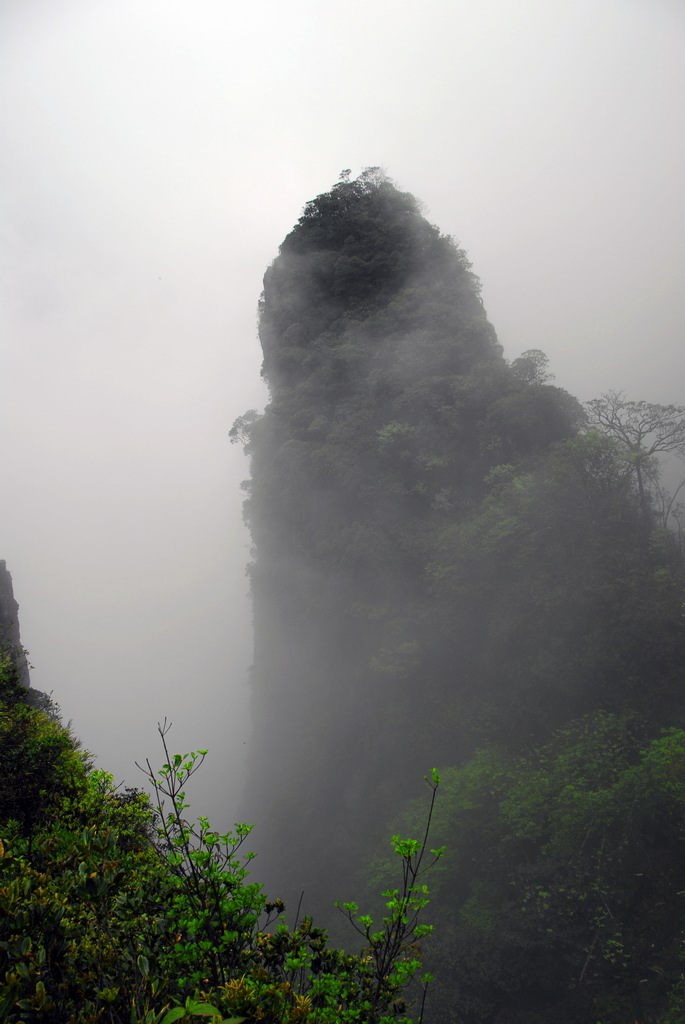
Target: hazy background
point(153, 154)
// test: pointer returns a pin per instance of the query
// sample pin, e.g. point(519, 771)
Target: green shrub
point(118, 912)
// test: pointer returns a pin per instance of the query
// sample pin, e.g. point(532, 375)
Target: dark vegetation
point(457, 564)
point(117, 912)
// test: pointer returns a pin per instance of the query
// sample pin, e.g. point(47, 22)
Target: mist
point(153, 158)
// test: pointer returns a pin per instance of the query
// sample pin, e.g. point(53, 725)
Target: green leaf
point(176, 1014)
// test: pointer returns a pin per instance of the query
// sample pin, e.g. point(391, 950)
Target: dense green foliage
point(564, 879)
point(455, 563)
point(113, 912)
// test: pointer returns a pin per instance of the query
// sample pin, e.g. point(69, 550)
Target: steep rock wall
point(9, 625)
point(390, 405)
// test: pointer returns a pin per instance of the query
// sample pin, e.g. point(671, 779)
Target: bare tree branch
point(644, 431)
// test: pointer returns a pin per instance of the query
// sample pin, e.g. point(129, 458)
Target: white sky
point(153, 154)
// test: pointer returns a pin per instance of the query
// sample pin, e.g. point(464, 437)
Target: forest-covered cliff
point(455, 564)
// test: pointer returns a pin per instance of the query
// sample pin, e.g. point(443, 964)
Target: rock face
point(9, 625)
point(390, 406)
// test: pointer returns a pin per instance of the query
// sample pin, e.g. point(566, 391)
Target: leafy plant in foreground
point(392, 949)
point(214, 912)
point(221, 923)
point(110, 914)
